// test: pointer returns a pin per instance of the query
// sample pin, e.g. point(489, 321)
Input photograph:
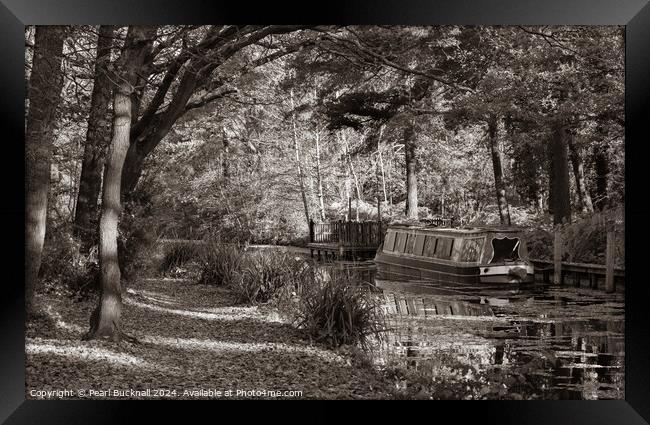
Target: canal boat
point(454, 255)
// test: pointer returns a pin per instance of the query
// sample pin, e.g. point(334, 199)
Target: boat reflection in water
point(567, 343)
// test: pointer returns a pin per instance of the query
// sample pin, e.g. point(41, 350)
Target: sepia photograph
point(325, 212)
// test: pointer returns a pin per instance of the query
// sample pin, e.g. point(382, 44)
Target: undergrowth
point(333, 307)
point(339, 310)
point(583, 241)
point(179, 255)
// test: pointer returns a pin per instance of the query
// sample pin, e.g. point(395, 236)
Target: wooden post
point(311, 230)
point(609, 276)
point(557, 257)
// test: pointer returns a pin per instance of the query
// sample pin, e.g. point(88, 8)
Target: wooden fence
point(347, 233)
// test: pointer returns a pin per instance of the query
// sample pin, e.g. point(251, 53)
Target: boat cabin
point(465, 254)
point(475, 245)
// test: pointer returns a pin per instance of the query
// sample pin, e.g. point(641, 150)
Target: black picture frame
point(634, 14)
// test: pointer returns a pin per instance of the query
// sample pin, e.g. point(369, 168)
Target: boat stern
point(507, 273)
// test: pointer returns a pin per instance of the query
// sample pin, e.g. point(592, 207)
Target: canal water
point(517, 341)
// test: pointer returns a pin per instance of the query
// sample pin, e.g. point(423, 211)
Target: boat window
point(389, 243)
point(400, 242)
point(444, 248)
point(430, 246)
point(410, 244)
point(471, 250)
point(419, 245)
point(505, 249)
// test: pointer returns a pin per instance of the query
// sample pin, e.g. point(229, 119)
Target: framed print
point(427, 201)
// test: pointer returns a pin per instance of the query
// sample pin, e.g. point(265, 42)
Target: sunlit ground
point(191, 337)
point(563, 343)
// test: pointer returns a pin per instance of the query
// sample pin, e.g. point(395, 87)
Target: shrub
point(340, 310)
point(539, 243)
point(336, 308)
point(584, 240)
point(269, 275)
point(220, 263)
point(136, 240)
point(178, 255)
point(86, 281)
point(64, 268)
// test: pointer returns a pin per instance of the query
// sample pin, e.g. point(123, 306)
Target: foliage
point(136, 240)
point(332, 307)
point(254, 276)
point(539, 243)
point(65, 268)
point(339, 310)
point(267, 275)
point(583, 241)
point(229, 166)
point(221, 263)
point(178, 255)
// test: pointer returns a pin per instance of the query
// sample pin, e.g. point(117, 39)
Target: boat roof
point(456, 230)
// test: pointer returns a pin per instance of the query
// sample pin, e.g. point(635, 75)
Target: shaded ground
point(193, 338)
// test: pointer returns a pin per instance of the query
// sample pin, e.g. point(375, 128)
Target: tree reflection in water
point(551, 343)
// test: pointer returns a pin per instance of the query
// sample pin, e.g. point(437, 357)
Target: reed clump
point(331, 306)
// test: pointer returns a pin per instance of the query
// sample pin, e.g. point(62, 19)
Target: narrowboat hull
point(474, 255)
point(391, 267)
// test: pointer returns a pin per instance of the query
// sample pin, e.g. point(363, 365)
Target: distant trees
point(44, 95)
point(577, 75)
point(187, 72)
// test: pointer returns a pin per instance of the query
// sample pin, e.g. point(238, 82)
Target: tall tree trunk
point(550, 202)
point(105, 320)
point(44, 94)
point(502, 202)
point(97, 138)
point(559, 165)
point(348, 157)
point(319, 179)
point(381, 163)
point(539, 193)
point(389, 169)
point(411, 173)
point(579, 176)
point(296, 146)
point(601, 166)
point(348, 189)
point(225, 160)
